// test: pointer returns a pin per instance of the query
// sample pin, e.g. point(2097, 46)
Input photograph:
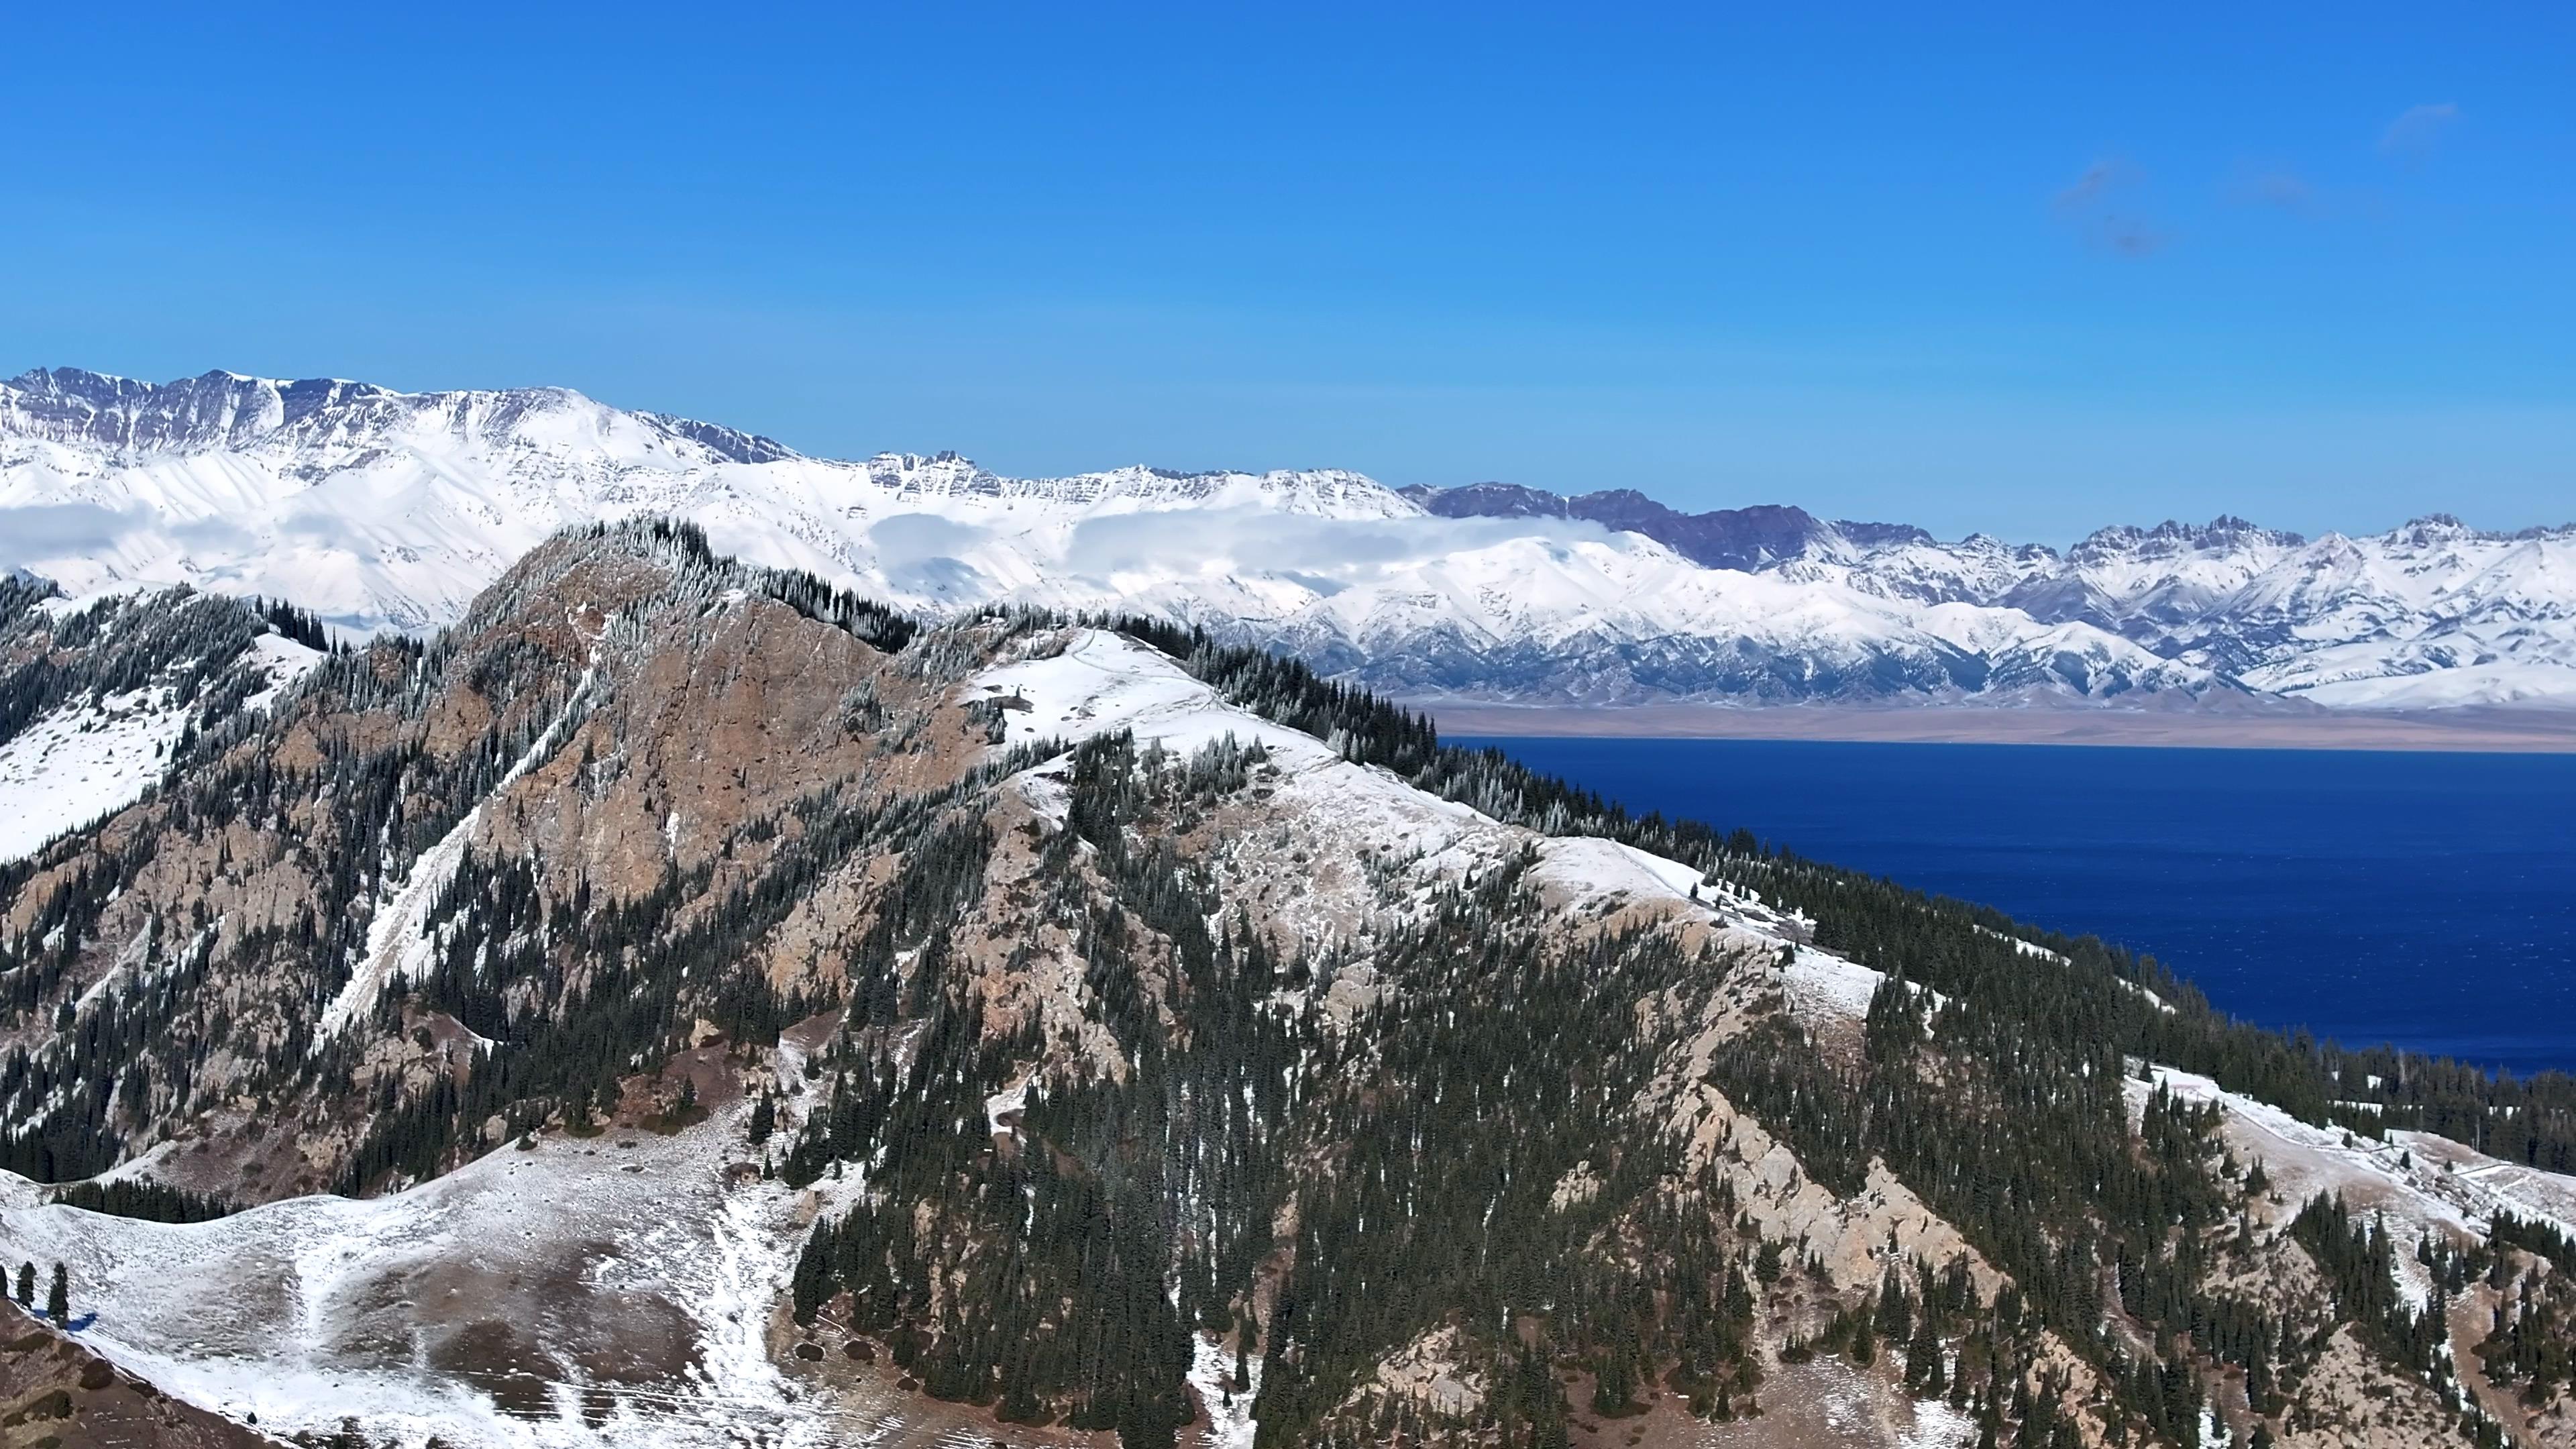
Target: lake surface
point(2425, 899)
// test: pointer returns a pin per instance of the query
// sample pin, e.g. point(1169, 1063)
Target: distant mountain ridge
point(381, 508)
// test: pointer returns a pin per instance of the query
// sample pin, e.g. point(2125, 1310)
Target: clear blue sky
point(2070, 266)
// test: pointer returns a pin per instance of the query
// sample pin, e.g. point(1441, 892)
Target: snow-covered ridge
point(1100, 683)
point(382, 508)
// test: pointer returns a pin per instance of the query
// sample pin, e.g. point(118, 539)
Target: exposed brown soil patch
point(55, 1394)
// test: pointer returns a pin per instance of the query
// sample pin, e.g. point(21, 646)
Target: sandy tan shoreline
point(2493, 731)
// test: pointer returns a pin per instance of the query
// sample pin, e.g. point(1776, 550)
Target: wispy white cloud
point(2101, 206)
point(2418, 129)
point(41, 531)
point(2277, 187)
point(1256, 540)
point(939, 557)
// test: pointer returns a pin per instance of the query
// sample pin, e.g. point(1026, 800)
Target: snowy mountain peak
point(2172, 538)
point(1487, 500)
point(229, 411)
point(2432, 530)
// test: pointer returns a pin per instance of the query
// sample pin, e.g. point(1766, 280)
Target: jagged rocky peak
point(195, 414)
point(1487, 500)
point(232, 412)
point(1742, 539)
point(1727, 538)
point(1882, 535)
point(2171, 538)
point(2432, 530)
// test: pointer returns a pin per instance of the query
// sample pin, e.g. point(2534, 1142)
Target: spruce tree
point(27, 1285)
point(58, 1299)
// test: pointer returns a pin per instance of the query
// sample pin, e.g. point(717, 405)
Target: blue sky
point(2056, 268)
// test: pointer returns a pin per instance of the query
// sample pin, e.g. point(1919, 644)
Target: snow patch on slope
point(1102, 682)
point(84, 761)
point(79, 763)
point(314, 1309)
point(1824, 987)
point(1229, 1409)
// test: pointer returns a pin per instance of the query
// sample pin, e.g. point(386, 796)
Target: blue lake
point(2424, 899)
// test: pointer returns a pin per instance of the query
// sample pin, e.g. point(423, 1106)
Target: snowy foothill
point(1100, 682)
point(502, 1305)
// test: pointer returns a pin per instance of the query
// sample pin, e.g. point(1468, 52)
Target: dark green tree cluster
point(139, 1198)
point(2531, 1342)
point(2022, 1140)
point(2359, 1261)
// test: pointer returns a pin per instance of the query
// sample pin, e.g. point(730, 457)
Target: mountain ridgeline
point(1108, 1023)
point(374, 508)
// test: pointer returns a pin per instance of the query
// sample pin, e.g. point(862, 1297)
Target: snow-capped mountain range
point(378, 508)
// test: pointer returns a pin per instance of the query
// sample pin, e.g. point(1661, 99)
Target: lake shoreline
point(2482, 731)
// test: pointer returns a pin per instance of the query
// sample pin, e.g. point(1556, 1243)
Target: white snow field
point(1229, 1411)
point(78, 763)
